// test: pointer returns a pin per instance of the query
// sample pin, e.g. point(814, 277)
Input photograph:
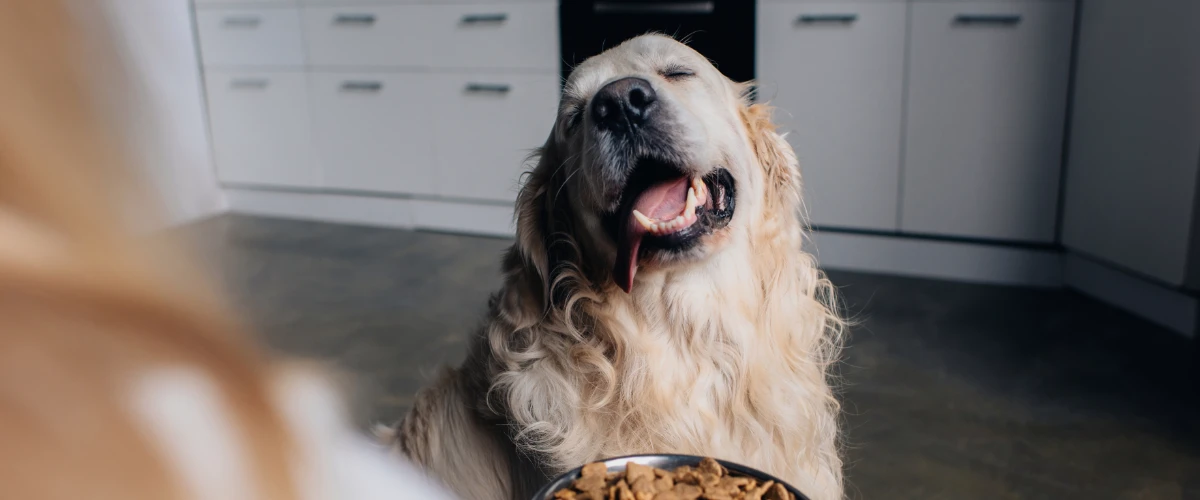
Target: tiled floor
point(951, 391)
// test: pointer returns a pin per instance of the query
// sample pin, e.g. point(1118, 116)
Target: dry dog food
point(707, 481)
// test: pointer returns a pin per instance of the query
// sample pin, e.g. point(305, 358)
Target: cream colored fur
point(723, 354)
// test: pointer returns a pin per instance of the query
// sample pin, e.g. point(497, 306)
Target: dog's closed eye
point(571, 118)
point(676, 72)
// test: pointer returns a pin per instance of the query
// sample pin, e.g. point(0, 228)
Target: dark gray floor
point(951, 391)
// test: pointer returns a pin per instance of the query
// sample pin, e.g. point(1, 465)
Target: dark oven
point(722, 30)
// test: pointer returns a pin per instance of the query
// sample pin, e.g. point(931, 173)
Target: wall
point(1135, 143)
point(169, 125)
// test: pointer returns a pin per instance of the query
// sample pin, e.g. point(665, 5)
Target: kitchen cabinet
point(1134, 159)
point(986, 107)
point(925, 117)
point(266, 2)
point(261, 128)
point(250, 36)
point(372, 131)
point(835, 72)
point(398, 98)
point(485, 127)
point(484, 36)
point(369, 36)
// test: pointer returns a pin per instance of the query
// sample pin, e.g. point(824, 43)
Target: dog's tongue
point(662, 201)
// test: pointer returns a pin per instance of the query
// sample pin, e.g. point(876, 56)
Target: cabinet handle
point(484, 18)
point(360, 19)
point(500, 88)
point(362, 86)
point(826, 18)
point(242, 22)
point(990, 19)
point(249, 83)
point(654, 8)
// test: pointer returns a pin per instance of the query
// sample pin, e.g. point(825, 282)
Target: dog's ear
point(533, 208)
point(543, 220)
point(776, 157)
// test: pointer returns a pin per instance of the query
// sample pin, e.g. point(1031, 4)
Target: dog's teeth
point(701, 191)
point(646, 222)
point(670, 226)
point(692, 203)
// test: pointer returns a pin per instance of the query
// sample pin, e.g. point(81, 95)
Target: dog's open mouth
point(665, 210)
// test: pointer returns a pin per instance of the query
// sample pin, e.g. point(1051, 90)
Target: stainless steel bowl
point(667, 462)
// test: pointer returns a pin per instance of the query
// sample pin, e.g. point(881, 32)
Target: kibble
point(706, 481)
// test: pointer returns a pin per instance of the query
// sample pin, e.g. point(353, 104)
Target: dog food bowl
point(667, 462)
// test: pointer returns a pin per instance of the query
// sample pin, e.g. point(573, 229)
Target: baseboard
point(462, 217)
point(1168, 307)
point(361, 210)
point(384, 211)
point(924, 258)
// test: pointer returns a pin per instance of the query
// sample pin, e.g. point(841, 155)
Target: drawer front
point(486, 125)
point(369, 35)
point(986, 108)
point(372, 131)
point(883, 1)
point(836, 2)
point(261, 129)
point(250, 36)
point(835, 72)
point(495, 36)
point(367, 2)
point(243, 2)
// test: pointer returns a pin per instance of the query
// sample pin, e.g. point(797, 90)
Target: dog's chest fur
point(703, 365)
point(683, 368)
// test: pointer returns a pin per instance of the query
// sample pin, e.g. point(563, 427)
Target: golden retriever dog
point(656, 298)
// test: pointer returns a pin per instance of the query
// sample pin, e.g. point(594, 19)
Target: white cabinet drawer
point(267, 36)
point(244, 2)
point(986, 107)
point(372, 131)
point(836, 2)
point(471, 36)
point(369, 35)
point(495, 36)
point(835, 72)
point(260, 128)
point(486, 126)
point(363, 2)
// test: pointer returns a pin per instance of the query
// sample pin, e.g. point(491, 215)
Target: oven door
point(722, 30)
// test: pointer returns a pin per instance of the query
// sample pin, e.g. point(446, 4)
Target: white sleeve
point(184, 412)
point(365, 472)
point(342, 464)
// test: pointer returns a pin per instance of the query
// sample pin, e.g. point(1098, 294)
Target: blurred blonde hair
point(87, 305)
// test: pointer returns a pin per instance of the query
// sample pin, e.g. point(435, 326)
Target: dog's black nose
point(623, 105)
